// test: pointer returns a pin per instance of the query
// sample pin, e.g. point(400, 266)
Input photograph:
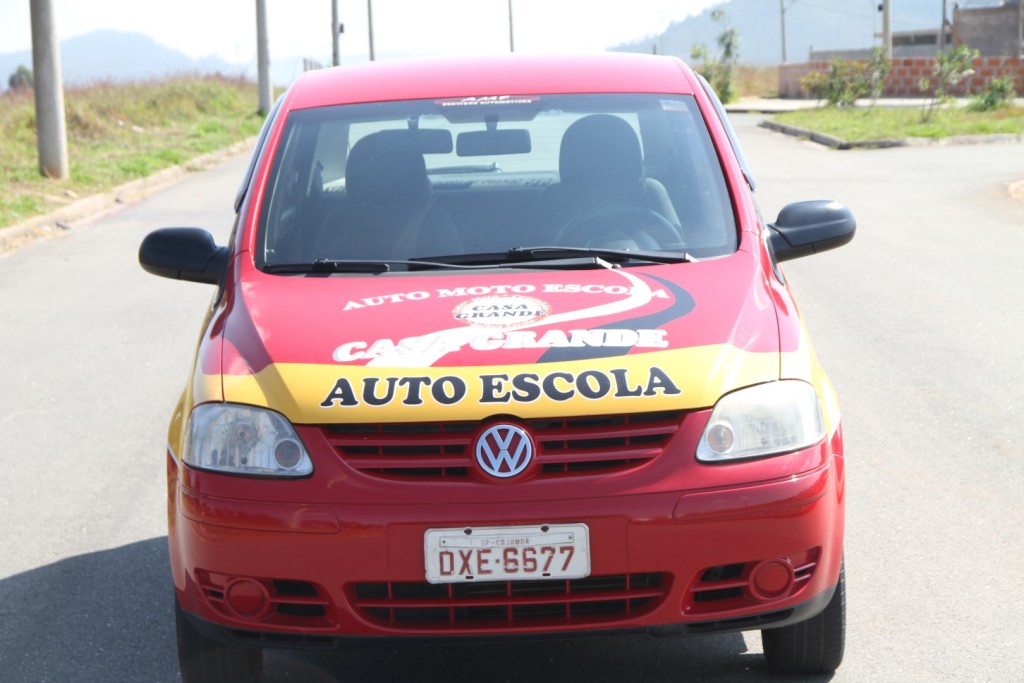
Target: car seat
point(390, 210)
point(602, 197)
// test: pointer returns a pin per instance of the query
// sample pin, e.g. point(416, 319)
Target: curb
point(59, 222)
point(837, 143)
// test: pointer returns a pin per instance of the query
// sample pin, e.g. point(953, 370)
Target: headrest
point(388, 172)
point(600, 149)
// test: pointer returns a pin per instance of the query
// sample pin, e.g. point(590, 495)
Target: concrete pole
point(263, 58)
point(887, 27)
point(369, 23)
point(782, 21)
point(942, 30)
point(511, 35)
point(335, 34)
point(51, 127)
point(1020, 28)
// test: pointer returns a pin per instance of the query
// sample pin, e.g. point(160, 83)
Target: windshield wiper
point(375, 266)
point(518, 257)
point(330, 266)
point(614, 255)
point(561, 257)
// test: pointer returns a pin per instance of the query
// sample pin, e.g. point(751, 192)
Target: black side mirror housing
point(805, 228)
point(184, 254)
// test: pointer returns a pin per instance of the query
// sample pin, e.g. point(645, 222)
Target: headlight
point(238, 439)
point(766, 419)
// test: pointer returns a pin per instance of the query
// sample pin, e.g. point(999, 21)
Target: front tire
point(205, 660)
point(814, 646)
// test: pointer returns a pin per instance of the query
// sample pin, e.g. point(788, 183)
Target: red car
point(501, 346)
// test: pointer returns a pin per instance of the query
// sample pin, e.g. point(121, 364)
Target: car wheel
point(812, 646)
point(205, 660)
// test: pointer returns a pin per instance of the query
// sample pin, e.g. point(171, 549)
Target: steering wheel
point(620, 227)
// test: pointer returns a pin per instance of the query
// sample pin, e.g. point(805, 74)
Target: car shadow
point(101, 616)
point(718, 658)
point(107, 616)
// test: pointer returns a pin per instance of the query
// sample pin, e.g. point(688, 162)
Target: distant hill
point(822, 24)
point(118, 56)
point(122, 56)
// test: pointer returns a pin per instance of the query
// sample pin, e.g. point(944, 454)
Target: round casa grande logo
point(501, 311)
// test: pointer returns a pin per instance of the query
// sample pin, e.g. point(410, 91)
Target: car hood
point(437, 346)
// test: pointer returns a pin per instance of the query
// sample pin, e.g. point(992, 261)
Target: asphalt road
point(919, 322)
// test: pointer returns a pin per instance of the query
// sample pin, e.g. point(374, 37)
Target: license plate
point(508, 553)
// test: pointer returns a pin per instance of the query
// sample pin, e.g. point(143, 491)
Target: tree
point(953, 66)
point(21, 78)
point(846, 82)
point(720, 72)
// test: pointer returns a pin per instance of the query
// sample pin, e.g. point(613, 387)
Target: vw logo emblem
point(504, 450)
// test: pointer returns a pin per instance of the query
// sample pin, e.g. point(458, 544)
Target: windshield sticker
point(674, 105)
point(489, 100)
point(500, 388)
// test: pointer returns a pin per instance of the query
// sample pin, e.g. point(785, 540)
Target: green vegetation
point(846, 81)
point(720, 71)
point(881, 123)
point(954, 65)
point(997, 93)
point(117, 133)
point(21, 78)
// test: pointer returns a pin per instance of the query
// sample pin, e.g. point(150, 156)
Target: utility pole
point(782, 21)
point(511, 37)
point(369, 23)
point(336, 30)
point(263, 58)
point(942, 30)
point(887, 28)
point(1020, 28)
point(51, 127)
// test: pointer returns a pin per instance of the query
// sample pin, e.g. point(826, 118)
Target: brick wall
point(906, 72)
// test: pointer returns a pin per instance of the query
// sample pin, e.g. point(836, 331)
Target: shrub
point(848, 81)
point(953, 66)
point(996, 94)
point(721, 72)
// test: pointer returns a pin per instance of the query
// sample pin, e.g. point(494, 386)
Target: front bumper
point(724, 559)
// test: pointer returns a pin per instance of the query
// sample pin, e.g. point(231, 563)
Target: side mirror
point(183, 254)
point(805, 228)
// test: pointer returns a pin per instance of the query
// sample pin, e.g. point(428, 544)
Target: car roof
point(443, 77)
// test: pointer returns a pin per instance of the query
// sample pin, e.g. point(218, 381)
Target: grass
point(117, 133)
point(757, 81)
point(880, 123)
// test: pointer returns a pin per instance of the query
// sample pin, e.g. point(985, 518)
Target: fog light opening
point(247, 599)
point(771, 580)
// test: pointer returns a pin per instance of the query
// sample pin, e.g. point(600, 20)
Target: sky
point(227, 28)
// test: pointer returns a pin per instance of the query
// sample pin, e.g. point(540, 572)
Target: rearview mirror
point(477, 143)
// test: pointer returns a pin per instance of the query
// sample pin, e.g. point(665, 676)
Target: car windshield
point(478, 180)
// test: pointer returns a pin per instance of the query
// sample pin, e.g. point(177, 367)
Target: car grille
point(566, 446)
point(509, 604)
